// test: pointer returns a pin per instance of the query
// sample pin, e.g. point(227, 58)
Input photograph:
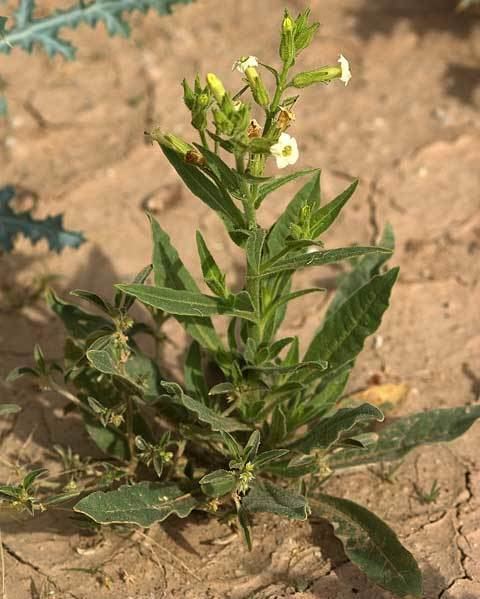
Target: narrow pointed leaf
point(270, 186)
point(401, 436)
point(329, 430)
point(343, 334)
point(371, 545)
point(319, 258)
point(309, 195)
point(142, 504)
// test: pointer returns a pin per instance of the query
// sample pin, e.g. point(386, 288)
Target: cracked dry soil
point(407, 125)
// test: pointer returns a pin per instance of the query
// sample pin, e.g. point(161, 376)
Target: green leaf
point(218, 483)
point(309, 195)
point(371, 545)
point(266, 497)
point(201, 186)
point(325, 216)
point(319, 258)
point(97, 301)
point(213, 276)
point(193, 372)
point(329, 430)
point(9, 408)
point(253, 250)
point(138, 370)
point(310, 366)
point(266, 457)
point(401, 436)
point(362, 272)
point(287, 298)
point(169, 271)
point(228, 177)
point(124, 302)
point(185, 303)
point(79, 324)
point(45, 30)
point(342, 336)
point(216, 421)
point(273, 184)
point(51, 228)
point(297, 467)
point(142, 504)
point(326, 395)
point(111, 442)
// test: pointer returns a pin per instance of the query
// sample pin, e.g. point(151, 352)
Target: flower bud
point(172, 141)
point(323, 75)
point(216, 87)
point(257, 86)
point(188, 95)
point(287, 42)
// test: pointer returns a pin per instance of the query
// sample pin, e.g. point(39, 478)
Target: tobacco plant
point(255, 424)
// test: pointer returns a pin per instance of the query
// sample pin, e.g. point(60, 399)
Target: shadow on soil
point(462, 82)
point(378, 16)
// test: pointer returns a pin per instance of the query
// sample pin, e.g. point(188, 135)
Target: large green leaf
point(309, 195)
point(319, 258)
point(371, 545)
point(362, 272)
point(187, 303)
point(169, 271)
point(266, 497)
point(329, 430)
point(402, 435)
point(142, 504)
point(201, 186)
point(342, 336)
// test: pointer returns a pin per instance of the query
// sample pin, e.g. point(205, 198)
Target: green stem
point(203, 138)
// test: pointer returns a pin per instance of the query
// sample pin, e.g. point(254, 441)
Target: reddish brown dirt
point(407, 125)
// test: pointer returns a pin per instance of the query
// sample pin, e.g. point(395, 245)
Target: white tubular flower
point(285, 150)
point(346, 74)
point(243, 63)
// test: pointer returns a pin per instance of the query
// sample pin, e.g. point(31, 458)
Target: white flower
point(285, 150)
point(243, 63)
point(346, 75)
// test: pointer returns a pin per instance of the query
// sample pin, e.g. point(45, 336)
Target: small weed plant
point(255, 425)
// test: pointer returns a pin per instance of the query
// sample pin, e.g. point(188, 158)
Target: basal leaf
point(371, 545)
point(342, 336)
point(142, 504)
point(50, 228)
point(401, 436)
point(169, 271)
point(266, 497)
point(329, 430)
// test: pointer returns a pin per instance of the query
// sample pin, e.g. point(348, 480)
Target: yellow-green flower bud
point(176, 143)
point(188, 95)
point(216, 87)
point(287, 43)
point(259, 91)
point(323, 75)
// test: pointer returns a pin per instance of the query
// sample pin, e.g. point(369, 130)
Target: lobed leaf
point(371, 545)
point(142, 504)
point(51, 228)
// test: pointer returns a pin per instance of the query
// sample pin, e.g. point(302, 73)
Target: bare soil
point(407, 125)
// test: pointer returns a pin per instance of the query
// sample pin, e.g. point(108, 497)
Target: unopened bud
point(216, 86)
point(257, 86)
point(287, 43)
point(188, 95)
point(175, 143)
point(323, 75)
